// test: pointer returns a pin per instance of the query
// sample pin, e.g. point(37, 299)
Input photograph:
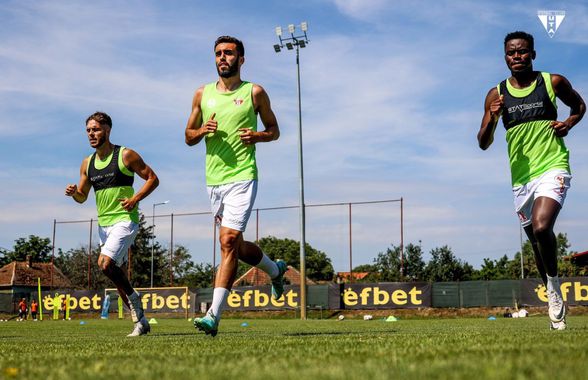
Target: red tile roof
point(257, 277)
point(356, 275)
point(19, 273)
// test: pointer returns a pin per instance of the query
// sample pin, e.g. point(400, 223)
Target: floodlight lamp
point(304, 26)
point(278, 31)
point(289, 45)
point(277, 48)
point(291, 28)
point(302, 43)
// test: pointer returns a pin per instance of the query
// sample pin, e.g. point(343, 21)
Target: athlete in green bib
point(539, 159)
point(224, 114)
point(110, 171)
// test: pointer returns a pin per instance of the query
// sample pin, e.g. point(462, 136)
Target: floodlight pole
point(153, 238)
point(299, 42)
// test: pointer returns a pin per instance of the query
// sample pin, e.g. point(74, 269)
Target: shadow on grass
point(363, 333)
point(195, 333)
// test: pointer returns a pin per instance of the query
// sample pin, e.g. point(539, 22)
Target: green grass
point(467, 348)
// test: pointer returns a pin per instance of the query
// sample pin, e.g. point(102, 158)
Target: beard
point(99, 142)
point(230, 71)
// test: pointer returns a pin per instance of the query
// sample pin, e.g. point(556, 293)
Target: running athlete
point(110, 171)
point(539, 159)
point(224, 113)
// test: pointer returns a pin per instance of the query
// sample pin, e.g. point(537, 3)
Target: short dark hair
point(520, 35)
point(101, 117)
point(232, 40)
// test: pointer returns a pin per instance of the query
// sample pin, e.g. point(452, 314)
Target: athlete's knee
point(542, 229)
point(230, 240)
point(105, 264)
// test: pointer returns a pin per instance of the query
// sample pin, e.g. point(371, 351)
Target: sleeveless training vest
point(533, 147)
point(111, 181)
point(537, 105)
point(227, 158)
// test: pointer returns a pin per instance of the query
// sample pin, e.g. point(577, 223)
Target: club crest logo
point(551, 20)
point(238, 101)
point(211, 102)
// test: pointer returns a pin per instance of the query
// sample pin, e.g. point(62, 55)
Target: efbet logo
point(570, 290)
point(374, 296)
point(551, 20)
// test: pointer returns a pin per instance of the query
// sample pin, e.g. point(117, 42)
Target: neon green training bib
point(227, 158)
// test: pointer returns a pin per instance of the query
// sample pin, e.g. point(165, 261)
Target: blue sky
point(392, 95)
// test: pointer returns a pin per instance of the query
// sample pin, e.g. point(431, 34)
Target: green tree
point(495, 269)
point(39, 248)
point(183, 268)
point(414, 265)
point(141, 259)
point(75, 265)
point(530, 266)
point(318, 264)
point(388, 264)
point(562, 245)
point(444, 266)
point(182, 263)
point(199, 276)
point(565, 267)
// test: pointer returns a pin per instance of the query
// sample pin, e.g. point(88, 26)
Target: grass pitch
point(465, 348)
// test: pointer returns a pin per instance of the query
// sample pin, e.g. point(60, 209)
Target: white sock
point(218, 298)
point(268, 266)
point(553, 284)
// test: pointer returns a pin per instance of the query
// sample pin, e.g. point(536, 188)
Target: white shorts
point(552, 184)
point(232, 203)
point(116, 240)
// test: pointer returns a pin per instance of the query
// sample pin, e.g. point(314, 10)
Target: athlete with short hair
point(224, 113)
point(34, 309)
point(22, 309)
point(539, 159)
point(110, 171)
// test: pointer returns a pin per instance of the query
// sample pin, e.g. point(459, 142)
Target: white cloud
point(392, 98)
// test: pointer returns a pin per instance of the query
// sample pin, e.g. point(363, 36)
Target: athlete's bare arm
point(492, 110)
point(133, 161)
point(262, 106)
point(80, 192)
point(195, 130)
point(563, 90)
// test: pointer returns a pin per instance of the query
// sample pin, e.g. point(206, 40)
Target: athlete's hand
point(561, 128)
point(128, 203)
point(70, 190)
point(210, 126)
point(496, 107)
point(248, 136)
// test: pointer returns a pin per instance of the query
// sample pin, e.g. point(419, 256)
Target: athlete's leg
point(225, 276)
point(545, 212)
point(249, 252)
point(123, 295)
point(117, 240)
point(538, 260)
point(117, 275)
point(230, 239)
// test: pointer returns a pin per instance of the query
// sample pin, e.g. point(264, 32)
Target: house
point(20, 278)
point(344, 277)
